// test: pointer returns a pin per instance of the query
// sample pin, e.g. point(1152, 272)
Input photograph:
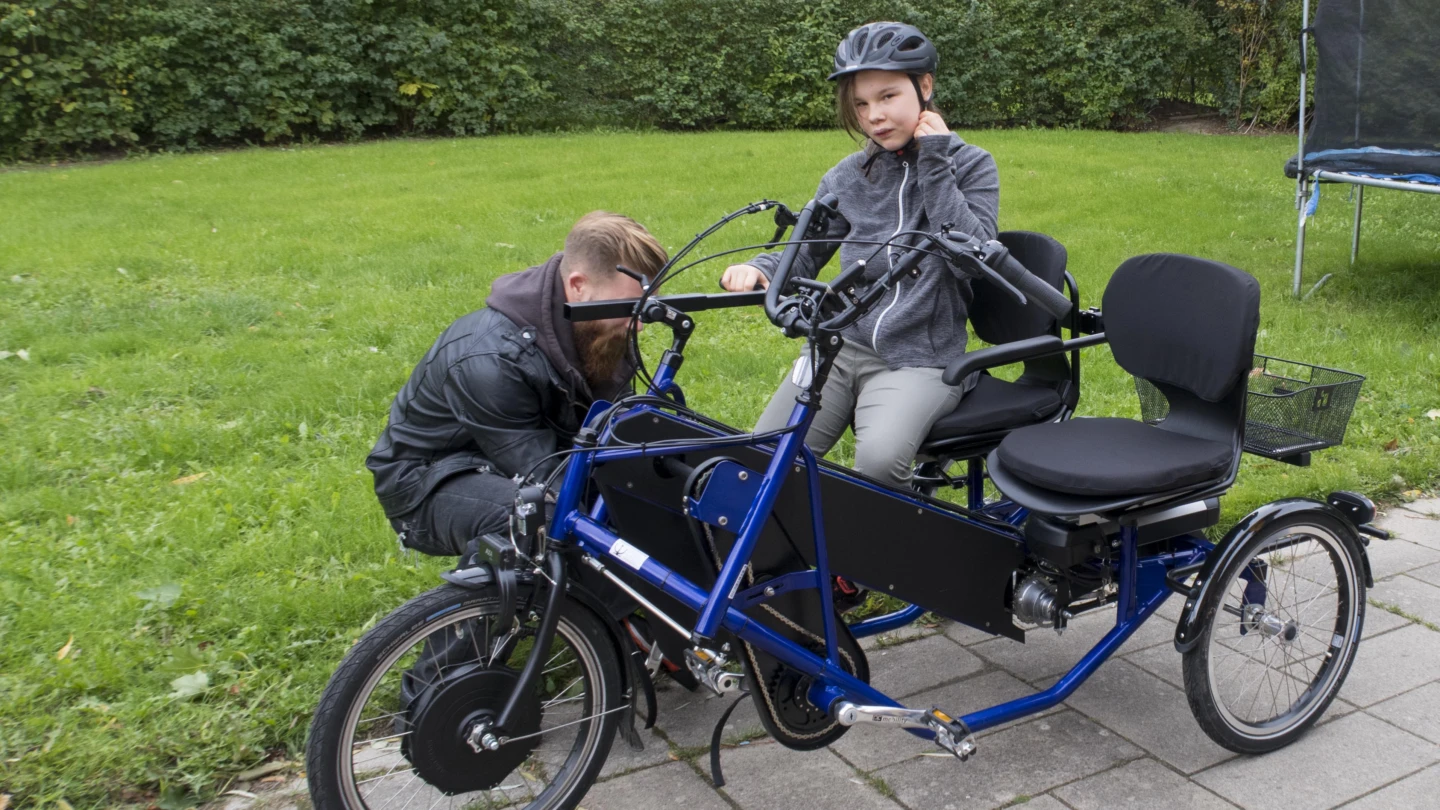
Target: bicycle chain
point(770, 707)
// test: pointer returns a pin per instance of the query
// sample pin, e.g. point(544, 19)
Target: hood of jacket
point(536, 297)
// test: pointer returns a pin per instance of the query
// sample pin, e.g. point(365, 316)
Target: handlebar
point(817, 212)
point(692, 302)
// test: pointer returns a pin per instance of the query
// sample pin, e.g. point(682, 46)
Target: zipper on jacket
point(890, 258)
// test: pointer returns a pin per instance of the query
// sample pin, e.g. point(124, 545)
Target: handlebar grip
point(1035, 288)
point(781, 278)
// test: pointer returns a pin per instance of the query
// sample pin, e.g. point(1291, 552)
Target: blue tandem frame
point(1141, 580)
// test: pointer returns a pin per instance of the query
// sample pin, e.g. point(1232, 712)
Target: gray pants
point(892, 411)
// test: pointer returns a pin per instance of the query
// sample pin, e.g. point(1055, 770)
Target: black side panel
point(903, 546)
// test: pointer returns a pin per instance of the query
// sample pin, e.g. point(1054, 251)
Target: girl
point(913, 175)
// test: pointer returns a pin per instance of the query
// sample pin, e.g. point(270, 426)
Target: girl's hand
point(931, 124)
point(743, 278)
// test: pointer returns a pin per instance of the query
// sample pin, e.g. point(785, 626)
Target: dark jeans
point(462, 508)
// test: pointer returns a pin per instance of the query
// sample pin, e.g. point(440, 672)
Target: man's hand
point(931, 124)
point(743, 278)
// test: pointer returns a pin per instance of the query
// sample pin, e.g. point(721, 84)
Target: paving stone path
point(1126, 739)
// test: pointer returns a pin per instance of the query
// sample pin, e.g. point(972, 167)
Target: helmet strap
point(920, 94)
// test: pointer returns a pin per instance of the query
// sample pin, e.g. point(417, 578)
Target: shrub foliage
point(78, 75)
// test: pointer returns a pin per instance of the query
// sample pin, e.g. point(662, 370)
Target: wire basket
point(1292, 408)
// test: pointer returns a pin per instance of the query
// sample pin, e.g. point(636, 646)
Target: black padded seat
point(996, 405)
point(1111, 457)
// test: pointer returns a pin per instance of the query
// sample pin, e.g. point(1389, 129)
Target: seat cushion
point(1105, 457)
point(996, 405)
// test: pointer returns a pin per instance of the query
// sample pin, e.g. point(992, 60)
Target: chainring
point(441, 715)
point(785, 708)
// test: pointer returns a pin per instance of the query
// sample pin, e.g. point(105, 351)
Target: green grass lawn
point(213, 342)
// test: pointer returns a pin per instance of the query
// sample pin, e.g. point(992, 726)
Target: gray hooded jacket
point(938, 179)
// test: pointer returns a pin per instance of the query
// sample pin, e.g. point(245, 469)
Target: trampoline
point(1376, 118)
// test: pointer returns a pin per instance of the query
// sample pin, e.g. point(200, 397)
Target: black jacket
point(501, 388)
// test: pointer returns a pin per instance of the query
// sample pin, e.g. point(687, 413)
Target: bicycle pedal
point(708, 667)
point(951, 734)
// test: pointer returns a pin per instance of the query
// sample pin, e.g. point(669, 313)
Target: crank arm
point(951, 734)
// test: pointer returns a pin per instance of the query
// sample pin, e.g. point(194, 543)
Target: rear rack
point(1292, 408)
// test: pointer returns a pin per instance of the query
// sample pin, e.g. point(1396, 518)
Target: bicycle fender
point(481, 577)
point(625, 651)
point(1187, 630)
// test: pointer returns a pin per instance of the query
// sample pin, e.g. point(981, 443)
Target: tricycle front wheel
point(1281, 624)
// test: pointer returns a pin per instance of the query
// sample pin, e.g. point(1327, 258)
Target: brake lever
point(977, 266)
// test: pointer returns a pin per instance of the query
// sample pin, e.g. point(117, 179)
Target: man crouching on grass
point(506, 386)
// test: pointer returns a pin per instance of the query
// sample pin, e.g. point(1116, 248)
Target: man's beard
point(601, 350)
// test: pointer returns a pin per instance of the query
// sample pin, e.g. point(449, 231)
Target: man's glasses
point(640, 277)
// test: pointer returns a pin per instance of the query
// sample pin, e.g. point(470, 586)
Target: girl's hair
point(845, 104)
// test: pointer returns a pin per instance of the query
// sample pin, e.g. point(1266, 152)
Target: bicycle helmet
point(885, 46)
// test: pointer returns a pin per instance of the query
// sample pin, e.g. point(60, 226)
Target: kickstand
point(715, 775)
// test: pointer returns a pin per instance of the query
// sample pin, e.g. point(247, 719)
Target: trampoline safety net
point(1377, 93)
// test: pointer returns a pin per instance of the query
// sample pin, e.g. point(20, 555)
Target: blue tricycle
point(668, 541)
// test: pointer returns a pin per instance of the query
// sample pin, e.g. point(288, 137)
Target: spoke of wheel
point(385, 775)
point(1323, 589)
point(1234, 673)
point(563, 650)
point(378, 739)
point(475, 646)
point(1270, 682)
point(379, 717)
point(1237, 670)
point(414, 793)
point(562, 692)
point(1265, 670)
point(584, 719)
point(1241, 653)
point(1290, 695)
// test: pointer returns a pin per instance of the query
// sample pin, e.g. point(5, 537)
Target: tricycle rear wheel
point(1281, 624)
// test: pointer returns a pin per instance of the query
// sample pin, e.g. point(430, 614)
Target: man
point(507, 386)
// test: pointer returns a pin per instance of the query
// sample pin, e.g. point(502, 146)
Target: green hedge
point(79, 75)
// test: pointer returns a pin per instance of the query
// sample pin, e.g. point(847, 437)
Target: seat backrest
point(998, 317)
point(1188, 326)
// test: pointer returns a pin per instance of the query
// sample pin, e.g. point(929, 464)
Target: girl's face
point(887, 107)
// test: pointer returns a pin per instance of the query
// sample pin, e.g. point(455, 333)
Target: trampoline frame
point(1303, 180)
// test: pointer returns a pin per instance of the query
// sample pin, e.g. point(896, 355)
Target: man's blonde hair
point(601, 240)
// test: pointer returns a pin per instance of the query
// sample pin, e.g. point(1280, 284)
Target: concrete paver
point(965, 635)
point(1045, 653)
point(1396, 556)
point(1430, 574)
point(666, 786)
point(1417, 711)
point(688, 718)
point(905, 669)
point(1414, 597)
point(1388, 665)
point(1150, 713)
point(1379, 620)
point(1413, 526)
point(624, 758)
point(1417, 790)
point(1140, 785)
point(871, 748)
point(767, 776)
point(1023, 760)
point(1338, 762)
